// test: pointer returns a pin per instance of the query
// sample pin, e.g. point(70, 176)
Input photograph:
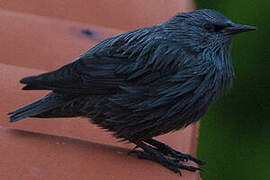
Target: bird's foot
point(168, 151)
point(171, 163)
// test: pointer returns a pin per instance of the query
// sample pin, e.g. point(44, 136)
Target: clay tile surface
point(65, 148)
point(45, 43)
point(121, 14)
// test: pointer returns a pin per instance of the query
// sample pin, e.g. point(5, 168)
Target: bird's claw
point(186, 157)
point(170, 163)
point(168, 151)
point(133, 151)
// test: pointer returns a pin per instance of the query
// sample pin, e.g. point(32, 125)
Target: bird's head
point(204, 28)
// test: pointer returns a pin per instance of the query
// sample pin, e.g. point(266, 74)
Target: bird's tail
point(47, 103)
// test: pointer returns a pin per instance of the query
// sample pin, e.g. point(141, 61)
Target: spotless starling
point(144, 83)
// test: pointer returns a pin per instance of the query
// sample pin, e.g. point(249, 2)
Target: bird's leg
point(153, 154)
point(168, 151)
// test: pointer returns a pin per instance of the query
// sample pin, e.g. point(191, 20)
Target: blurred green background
point(235, 133)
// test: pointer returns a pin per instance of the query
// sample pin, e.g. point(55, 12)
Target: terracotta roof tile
point(32, 156)
point(121, 14)
point(45, 43)
point(88, 152)
point(68, 148)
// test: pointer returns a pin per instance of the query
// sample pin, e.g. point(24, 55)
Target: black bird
point(144, 83)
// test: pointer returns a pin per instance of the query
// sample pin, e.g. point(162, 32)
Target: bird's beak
point(238, 28)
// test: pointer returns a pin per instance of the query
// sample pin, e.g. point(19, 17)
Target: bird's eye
point(213, 27)
point(209, 27)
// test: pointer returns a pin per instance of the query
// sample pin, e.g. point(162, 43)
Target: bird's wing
point(74, 78)
point(135, 57)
